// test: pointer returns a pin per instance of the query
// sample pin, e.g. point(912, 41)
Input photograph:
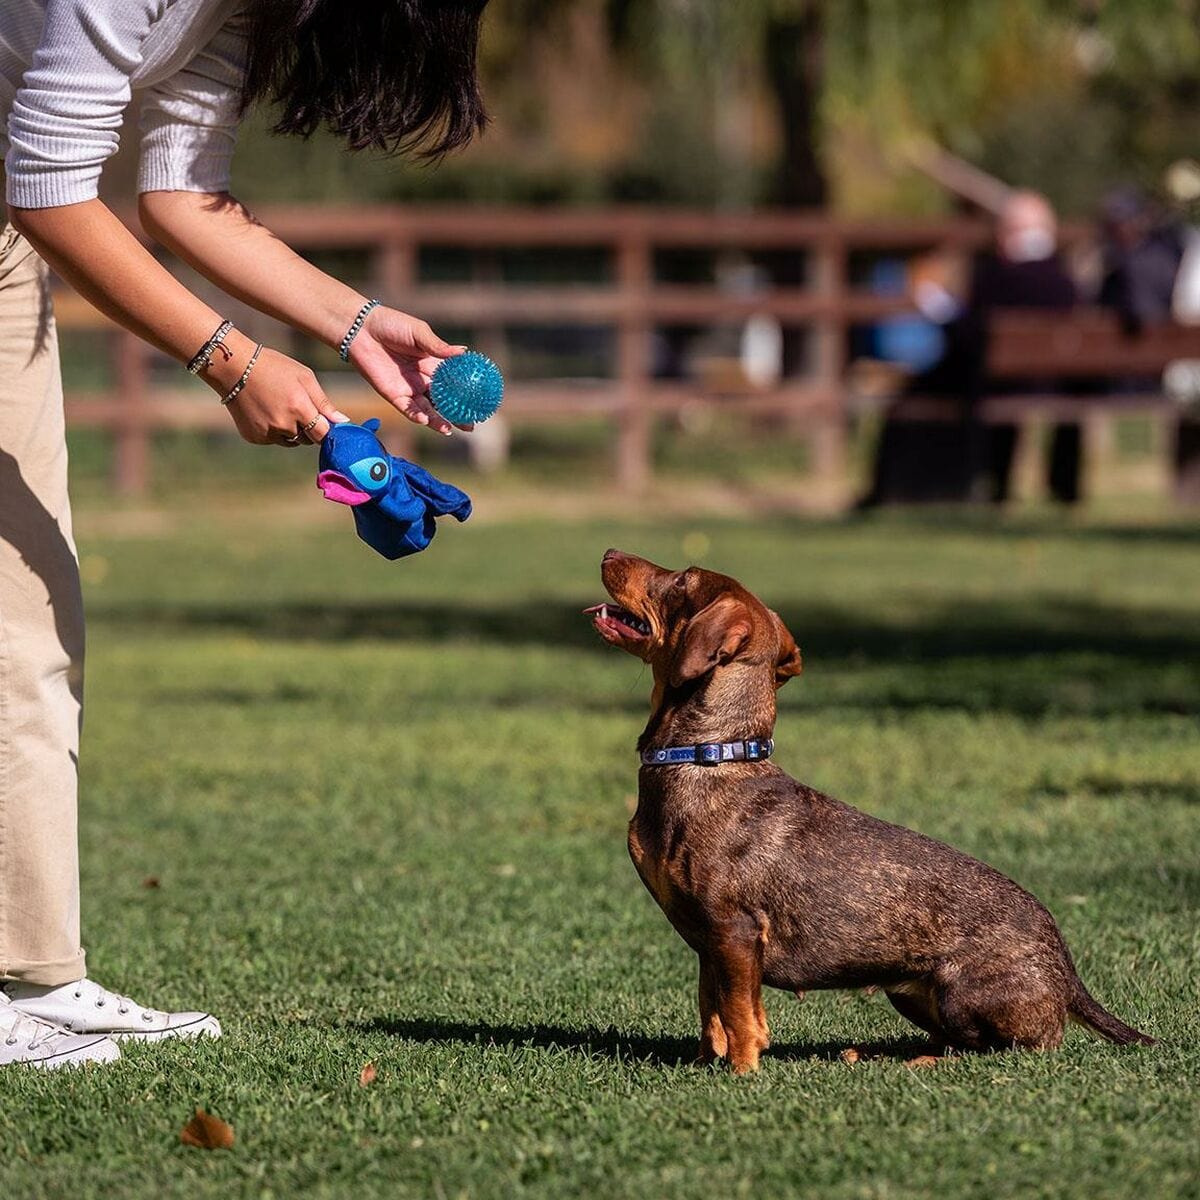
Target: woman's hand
point(397, 355)
point(282, 403)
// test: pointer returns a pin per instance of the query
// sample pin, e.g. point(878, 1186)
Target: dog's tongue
point(336, 487)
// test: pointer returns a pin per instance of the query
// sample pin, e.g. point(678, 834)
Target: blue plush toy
point(467, 388)
point(394, 501)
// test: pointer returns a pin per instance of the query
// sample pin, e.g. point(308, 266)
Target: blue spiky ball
point(467, 389)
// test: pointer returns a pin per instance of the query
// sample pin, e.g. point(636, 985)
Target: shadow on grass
point(612, 1043)
point(1103, 786)
point(990, 656)
point(963, 628)
point(1001, 526)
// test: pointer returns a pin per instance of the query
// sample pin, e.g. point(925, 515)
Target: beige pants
point(41, 639)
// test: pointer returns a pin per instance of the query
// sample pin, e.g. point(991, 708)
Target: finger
point(404, 388)
point(317, 431)
point(427, 342)
point(421, 412)
point(322, 421)
point(326, 410)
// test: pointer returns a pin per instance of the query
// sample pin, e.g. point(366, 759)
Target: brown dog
point(771, 882)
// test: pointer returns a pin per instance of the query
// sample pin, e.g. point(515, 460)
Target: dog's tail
point(1088, 1011)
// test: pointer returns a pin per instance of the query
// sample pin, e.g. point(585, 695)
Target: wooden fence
point(633, 300)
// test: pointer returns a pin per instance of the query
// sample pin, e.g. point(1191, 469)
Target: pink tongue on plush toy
point(338, 488)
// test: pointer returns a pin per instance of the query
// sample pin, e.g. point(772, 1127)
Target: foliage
point(670, 100)
point(373, 814)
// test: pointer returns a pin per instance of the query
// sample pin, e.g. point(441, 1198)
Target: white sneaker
point(86, 1007)
point(36, 1043)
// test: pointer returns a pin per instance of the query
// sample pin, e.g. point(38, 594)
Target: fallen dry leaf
point(923, 1060)
point(366, 1076)
point(207, 1132)
point(849, 1055)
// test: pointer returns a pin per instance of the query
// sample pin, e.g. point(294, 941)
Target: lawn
point(375, 813)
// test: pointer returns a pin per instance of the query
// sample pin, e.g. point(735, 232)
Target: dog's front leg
point(738, 973)
point(713, 1042)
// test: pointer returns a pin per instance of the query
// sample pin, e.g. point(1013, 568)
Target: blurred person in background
point(921, 461)
point(1142, 250)
point(1182, 184)
point(390, 75)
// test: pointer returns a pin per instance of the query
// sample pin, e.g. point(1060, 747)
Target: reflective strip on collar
point(710, 754)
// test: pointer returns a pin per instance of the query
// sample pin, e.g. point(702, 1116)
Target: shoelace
point(123, 1003)
point(39, 1031)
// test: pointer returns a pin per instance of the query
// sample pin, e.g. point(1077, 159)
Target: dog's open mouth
point(617, 624)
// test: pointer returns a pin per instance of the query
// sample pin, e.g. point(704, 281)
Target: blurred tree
point(850, 83)
point(796, 102)
point(1062, 95)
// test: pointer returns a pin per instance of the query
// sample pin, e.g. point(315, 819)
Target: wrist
point(223, 372)
point(341, 316)
point(355, 330)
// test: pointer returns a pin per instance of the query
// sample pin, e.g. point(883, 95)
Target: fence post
point(635, 271)
point(829, 356)
point(398, 269)
point(488, 446)
point(131, 452)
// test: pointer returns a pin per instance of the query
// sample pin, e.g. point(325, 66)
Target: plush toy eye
point(371, 473)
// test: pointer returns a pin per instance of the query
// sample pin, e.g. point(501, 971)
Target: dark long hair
point(391, 75)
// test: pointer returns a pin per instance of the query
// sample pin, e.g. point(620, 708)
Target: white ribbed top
point(68, 69)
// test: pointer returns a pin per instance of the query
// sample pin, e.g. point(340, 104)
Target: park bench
point(1086, 368)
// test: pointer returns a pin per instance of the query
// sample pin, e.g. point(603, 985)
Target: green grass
point(386, 805)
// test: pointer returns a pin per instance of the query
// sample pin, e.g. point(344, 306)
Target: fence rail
point(633, 302)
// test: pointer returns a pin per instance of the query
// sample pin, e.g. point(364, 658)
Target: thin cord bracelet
point(204, 355)
point(355, 326)
point(235, 391)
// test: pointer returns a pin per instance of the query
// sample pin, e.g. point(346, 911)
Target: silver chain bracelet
point(355, 326)
point(235, 391)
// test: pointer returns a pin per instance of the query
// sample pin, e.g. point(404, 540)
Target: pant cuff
point(49, 974)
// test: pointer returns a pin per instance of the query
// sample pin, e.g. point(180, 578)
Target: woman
point(394, 75)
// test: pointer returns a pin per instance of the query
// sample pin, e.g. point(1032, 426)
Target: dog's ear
point(713, 636)
point(789, 662)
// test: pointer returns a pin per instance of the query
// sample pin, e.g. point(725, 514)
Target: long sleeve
point(66, 117)
point(189, 121)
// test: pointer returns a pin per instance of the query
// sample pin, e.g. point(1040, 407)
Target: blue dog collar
point(710, 754)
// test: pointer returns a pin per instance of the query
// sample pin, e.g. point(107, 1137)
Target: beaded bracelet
point(355, 326)
point(203, 356)
point(234, 391)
